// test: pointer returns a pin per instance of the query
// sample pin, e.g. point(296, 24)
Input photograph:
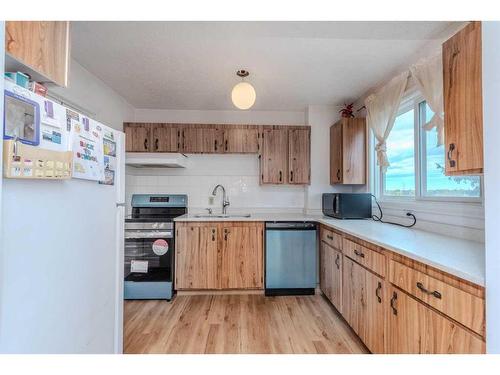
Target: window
point(416, 163)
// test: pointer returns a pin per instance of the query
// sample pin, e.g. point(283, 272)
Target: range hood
point(155, 160)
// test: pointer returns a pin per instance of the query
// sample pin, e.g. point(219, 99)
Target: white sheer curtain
point(381, 109)
point(428, 75)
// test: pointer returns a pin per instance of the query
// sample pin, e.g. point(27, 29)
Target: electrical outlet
point(211, 200)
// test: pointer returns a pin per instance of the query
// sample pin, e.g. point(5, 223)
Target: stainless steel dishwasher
point(291, 258)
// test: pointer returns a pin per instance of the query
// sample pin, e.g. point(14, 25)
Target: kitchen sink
point(221, 216)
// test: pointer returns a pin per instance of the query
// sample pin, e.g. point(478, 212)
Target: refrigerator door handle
point(120, 205)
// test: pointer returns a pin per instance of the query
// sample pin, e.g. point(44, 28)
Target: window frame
point(412, 100)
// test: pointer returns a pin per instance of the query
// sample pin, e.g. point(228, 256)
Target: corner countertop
point(461, 258)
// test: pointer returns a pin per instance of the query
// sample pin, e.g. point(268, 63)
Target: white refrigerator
point(61, 263)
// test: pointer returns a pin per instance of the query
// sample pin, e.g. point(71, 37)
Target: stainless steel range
point(150, 245)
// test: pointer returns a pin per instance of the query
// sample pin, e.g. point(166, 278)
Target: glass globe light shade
point(243, 95)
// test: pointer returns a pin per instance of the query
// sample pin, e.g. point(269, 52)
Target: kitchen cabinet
point(363, 304)
point(197, 256)
point(166, 138)
point(463, 105)
point(331, 274)
point(224, 255)
point(273, 163)
point(242, 256)
point(137, 137)
point(41, 46)
point(299, 156)
point(199, 139)
point(241, 139)
point(414, 328)
point(348, 152)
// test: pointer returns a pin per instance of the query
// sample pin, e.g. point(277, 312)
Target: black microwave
point(347, 205)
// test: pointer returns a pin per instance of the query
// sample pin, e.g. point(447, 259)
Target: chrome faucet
point(225, 201)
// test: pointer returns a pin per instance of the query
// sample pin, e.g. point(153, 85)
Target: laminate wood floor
point(237, 324)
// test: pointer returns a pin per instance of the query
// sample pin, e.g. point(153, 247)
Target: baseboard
point(218, 292)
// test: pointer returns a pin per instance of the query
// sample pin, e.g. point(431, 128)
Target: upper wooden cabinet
point(241, 139)
point(299, 156)
point(273, 163)
point(463, 103)
point(165, 138)
point(42, 46)
point(137, 137)
point(348, 152)
point(200, 139)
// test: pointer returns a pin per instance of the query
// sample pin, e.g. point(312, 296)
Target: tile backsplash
point(239, 174)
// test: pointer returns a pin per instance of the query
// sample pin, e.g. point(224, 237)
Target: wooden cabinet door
point(196, 256)
point(165, 138)
point(299, 156)
point(199, 139)
point(242, 256)
point(241, 139)
point(137, 137)
point(336, 153)
point(362, 304)
point(42, 46)
point(463, 105)
point(414, 328)
point(331, 274)
point(273, 162)
point(354, 151)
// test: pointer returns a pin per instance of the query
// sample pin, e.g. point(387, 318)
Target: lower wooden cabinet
point(225, 255)
point(197, 256)
point(363, 304)
point(331, 274)
point(415, 328)
point(242, 256)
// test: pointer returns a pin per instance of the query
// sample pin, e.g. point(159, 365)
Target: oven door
point(149, 256)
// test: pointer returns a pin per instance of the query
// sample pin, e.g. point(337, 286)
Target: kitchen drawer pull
point(426, 291)
point(146, 144)
point(449, 154)
point(338, 174)
point(291, 175)
point(156, 144)
point(359, 253)
point(337, 261)
point(225, 234)
point(329, 236)
point(226, 145)
point(215, 145)
point(377, 292)
point(281, 176)
point(213, 234)
point(393, 303)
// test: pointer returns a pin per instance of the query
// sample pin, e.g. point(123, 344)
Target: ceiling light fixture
point(243, 94)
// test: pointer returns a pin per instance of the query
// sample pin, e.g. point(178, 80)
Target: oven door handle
point(139, 235)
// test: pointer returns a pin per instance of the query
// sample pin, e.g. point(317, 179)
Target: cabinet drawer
point(459, 305)
point(371, 259)
point(331, 238)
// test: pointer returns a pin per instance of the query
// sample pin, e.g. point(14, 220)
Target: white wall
point(491, 95)
point(238, 173)
point(58, 276)
point(100, 101)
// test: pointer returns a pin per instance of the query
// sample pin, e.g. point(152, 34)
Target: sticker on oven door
point(140, 266)
point(160, 247)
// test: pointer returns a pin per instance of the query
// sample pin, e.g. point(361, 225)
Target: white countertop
point(462, 258)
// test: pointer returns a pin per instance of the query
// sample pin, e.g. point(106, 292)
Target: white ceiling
point(192, 65)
